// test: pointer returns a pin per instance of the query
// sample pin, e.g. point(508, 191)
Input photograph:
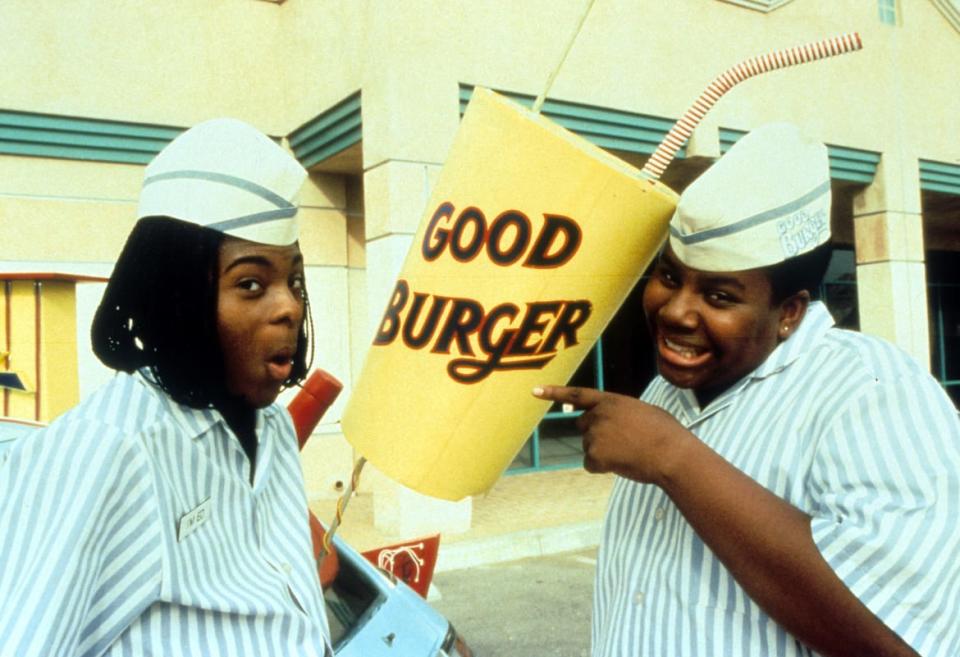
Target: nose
point(680, 310)
point(288, 307)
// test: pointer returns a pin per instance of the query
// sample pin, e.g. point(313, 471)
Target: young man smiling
point(711, 329)
point(785, 487)
point(166, 515)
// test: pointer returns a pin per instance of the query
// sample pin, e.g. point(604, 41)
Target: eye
point(251, 285)
point(668, 277)
point(298, 285)
point(720, 298)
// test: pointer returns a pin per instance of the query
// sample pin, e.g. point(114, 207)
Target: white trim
point(765, 6)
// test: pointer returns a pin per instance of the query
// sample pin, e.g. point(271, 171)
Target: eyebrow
point(261, 261)
point(724, 280)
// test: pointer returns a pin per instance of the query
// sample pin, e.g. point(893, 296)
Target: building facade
point(368, 95)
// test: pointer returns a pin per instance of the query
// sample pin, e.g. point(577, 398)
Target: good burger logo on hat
point(226, 175)
point(766, 200)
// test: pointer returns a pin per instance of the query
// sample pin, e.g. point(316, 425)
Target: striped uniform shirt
point(843, 426)
point(130, 527)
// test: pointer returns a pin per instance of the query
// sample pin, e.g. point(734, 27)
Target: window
point(943, 296)
point(622, 361)
point(351, 600)
point(555, 442)
point(887, 10)
point(839, 289)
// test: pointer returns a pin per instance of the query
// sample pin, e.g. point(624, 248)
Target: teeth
point(686, 352)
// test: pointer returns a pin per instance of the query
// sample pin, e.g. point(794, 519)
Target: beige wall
point(179, 61)
point(656, 57)
point(174, 62)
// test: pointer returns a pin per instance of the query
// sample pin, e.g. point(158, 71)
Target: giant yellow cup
point(532, 239)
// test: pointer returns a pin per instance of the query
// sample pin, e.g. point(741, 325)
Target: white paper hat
point(766, 200)
point(226, 175)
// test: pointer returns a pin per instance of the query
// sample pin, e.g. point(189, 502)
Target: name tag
point(191, 520)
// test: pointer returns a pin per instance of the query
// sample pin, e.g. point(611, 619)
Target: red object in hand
point(317, 395)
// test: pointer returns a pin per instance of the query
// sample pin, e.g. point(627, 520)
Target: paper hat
point(226, 175)
point(766, 200)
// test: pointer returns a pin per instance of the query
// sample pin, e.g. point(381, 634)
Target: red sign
point(412, 561)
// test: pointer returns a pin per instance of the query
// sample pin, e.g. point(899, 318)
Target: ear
point(792, 311)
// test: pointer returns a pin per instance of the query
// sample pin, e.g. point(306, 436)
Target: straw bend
point(341, 508)
point(748, 68)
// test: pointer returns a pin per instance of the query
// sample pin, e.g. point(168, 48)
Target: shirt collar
point(196, 422)
point(814, 325)
point(692, 408)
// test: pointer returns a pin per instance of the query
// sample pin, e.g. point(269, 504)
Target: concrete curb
point(518, 545)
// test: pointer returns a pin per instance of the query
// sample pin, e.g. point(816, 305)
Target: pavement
point(538, 607)
point(523, 515)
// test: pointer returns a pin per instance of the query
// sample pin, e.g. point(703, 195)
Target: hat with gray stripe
point(226, 175)
point(766, 200)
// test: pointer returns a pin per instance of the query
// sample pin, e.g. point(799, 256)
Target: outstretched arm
point(764, 541)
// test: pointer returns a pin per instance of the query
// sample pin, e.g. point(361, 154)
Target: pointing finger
point(582, 398)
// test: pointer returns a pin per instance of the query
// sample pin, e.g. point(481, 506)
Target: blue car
point(374, 614)
point(371, 612)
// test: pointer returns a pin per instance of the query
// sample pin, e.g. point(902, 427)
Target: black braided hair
point(159, 311)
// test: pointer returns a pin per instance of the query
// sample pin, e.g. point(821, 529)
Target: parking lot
point(535, 607)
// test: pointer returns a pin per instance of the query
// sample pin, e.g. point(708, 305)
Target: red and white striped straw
point(683, 128)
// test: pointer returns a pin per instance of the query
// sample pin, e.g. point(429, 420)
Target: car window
point(351, 599)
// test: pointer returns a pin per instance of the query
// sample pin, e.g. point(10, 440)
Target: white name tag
point(191, 520)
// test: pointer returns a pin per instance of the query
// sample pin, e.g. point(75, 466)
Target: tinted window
point(350, 601)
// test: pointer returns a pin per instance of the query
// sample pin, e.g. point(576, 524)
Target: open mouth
point(680, 354)
point(280, 365)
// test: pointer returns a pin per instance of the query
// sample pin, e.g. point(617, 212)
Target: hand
point(621, 434)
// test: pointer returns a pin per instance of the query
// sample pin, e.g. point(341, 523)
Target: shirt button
point(286, 568)
point(659, 513)
point(638, 598)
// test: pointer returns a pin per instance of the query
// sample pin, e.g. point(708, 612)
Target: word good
point(505, 239)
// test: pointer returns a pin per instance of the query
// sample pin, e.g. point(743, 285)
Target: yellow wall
point(58, 353)
point(23, 346)
point(57, 380)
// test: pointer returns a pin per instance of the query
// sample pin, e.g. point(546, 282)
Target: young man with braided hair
point(166, 514)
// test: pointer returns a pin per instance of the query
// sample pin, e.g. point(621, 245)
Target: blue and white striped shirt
point(845, 427)
point(130, 527)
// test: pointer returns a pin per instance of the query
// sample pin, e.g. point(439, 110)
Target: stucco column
point(324, 241)
point(407, 131)
point(891, 279)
